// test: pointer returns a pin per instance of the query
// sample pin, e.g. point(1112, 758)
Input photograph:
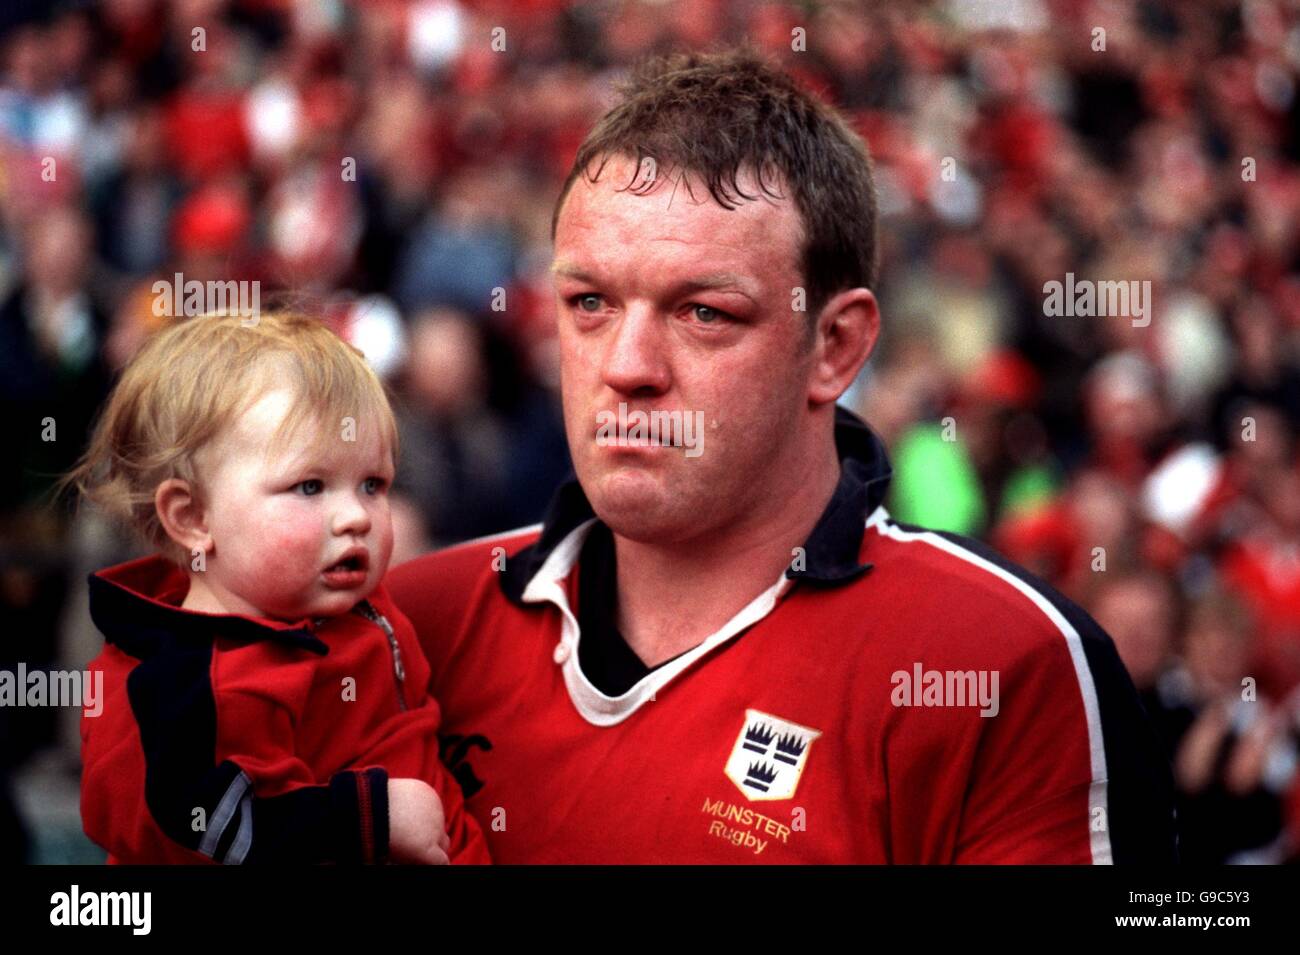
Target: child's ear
point(181, 515)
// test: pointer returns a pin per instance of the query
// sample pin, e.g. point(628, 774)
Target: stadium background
point(1014, 144)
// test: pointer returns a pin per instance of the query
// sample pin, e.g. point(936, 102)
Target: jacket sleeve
point(236, 793)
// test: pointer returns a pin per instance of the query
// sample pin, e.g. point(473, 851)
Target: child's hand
point(417, 832)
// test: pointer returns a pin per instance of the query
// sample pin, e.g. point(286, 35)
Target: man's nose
point(635, 359)
point(351, 516)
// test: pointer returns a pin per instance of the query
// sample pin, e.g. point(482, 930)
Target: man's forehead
point(605, 215)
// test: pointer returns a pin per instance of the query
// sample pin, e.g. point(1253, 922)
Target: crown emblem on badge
point(769, 756)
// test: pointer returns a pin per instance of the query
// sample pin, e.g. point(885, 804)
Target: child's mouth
point(348, 572)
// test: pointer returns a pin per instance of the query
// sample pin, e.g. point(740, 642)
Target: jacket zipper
point(399, 671)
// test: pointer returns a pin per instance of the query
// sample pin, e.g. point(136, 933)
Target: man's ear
point(846, 334)
point(182, 516)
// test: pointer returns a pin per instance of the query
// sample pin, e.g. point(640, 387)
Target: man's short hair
point(712, 113)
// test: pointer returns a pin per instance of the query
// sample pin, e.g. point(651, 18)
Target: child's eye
point(311, 487)
point(373, 485)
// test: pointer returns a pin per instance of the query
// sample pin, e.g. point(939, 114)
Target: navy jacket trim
point(143, 627)
point(172, 700)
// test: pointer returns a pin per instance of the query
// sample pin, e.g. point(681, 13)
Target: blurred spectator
point(1237, 760)
point(454, 445)
point(52, 380)
point(1140, 611)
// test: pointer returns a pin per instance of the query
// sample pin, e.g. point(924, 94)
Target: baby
point(264, 699)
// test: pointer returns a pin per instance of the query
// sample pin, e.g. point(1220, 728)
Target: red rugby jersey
point(902, 696)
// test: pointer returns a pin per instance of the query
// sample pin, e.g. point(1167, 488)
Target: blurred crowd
point(394, 165)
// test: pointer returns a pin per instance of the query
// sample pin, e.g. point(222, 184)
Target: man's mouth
point(640, 430)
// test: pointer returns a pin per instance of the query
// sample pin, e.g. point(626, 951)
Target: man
point(718, 647)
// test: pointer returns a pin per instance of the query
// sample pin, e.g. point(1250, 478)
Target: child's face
point(281, 516)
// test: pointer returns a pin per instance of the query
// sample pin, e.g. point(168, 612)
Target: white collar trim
point(547, 586)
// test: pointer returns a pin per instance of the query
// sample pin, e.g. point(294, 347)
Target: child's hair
point(192, 380)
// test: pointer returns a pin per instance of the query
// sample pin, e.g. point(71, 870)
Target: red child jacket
point(237, 739)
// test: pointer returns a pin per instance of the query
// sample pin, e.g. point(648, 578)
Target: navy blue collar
point(136, 606)
point(830, 553)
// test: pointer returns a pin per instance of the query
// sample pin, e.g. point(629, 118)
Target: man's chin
point(641, 508)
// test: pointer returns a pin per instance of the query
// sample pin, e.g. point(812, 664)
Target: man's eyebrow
point(570, 271)
point(694, 284)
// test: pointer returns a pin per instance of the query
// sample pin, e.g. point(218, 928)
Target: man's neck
point(671, 599)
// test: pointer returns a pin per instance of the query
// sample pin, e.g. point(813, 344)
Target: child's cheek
point(384, 534)
point(297, 542)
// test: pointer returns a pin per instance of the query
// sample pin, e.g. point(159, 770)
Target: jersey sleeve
point(1069, 771)
point(436, 592)
point(468, 845)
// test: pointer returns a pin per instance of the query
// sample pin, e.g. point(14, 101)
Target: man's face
point(673, 303)
point(279, 516)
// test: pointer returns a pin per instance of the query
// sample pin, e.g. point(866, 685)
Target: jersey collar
point(137, 606)
point(830, 553)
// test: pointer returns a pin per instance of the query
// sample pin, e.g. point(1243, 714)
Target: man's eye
point(581, 302)
point(310, 488)
point(707, 315)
